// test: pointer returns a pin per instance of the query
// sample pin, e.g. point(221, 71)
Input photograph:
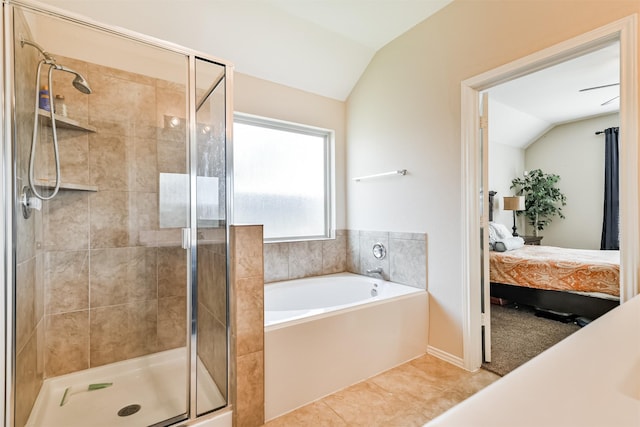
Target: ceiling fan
point(600, 87)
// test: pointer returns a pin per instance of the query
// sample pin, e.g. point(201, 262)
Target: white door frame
point(624, 30)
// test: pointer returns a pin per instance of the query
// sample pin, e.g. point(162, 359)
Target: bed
point(559, 269)
point(566, 282)
point(569, 282)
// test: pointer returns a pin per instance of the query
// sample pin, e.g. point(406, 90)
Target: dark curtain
point(610, 223)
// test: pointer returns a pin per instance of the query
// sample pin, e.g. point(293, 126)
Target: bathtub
point(325, 333)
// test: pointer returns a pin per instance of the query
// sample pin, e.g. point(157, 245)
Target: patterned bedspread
point(561, 269)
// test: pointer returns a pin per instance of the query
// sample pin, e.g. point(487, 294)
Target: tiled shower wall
point(29, 310)
point(352, 251)
point(114, 281)
point(97, 280)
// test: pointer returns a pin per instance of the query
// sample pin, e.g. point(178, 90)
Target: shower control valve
point(29, 202)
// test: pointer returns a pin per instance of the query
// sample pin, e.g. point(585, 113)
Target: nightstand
point(532, 240)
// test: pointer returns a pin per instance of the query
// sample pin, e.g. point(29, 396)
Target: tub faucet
point(372, 271)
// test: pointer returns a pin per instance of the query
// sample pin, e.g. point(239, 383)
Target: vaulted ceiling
point(320, 46)
point(324, 46)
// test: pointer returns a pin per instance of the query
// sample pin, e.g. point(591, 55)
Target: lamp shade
point(514, 203)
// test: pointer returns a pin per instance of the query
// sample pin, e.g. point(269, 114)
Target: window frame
point(328, 136)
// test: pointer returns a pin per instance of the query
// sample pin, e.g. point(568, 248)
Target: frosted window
point(282, 178)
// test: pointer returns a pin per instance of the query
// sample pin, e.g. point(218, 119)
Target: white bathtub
point(325, 333)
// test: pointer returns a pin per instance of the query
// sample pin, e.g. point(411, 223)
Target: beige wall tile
point(212, 285)
point(74, 156)
point(172, 322)
point(172, 271)
point(249, 315)
point(67, 281)
point(110, 162)
point(353, 251)
point(109, 277)
point(122, 275)
point(67, 343)
point(143, 218)
point(206, 276)
point(142, 337)
point(248, 260)
point(39, 303)
point(408, 261)
point(120, 74)
point(305, 259)
point(172, 154)
point(250, 390)
point(28, 380)
point(276, 262)
point(171, 101)
point(109, 333)
point(66, 222)
point(212, 346)
point(25, 236)
point(122, 104)
point(110, 212)
point(334, 255)
point(25, 302)
point(144, 169)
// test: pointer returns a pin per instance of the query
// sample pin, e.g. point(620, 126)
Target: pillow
point(493, 235)
point(501, 230)
point(498, 231)
point(509, 244)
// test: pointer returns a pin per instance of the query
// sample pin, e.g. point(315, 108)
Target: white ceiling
point(320, 46)
point(522, 110)
point(324, 46)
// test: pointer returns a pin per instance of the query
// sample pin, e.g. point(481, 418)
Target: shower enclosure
point(115, 225)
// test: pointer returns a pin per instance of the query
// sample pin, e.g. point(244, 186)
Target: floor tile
point(408, 395)
point(314, 414)
point(366, 404)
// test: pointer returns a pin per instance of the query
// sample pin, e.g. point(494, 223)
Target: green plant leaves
point(543, 200)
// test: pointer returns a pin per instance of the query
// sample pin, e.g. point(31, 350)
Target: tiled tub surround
point(247, 325)
point(351, 250)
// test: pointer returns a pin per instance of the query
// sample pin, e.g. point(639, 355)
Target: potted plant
point(543, 200)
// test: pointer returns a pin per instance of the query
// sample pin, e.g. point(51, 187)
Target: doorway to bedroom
point(619, 36)
point(538, 126)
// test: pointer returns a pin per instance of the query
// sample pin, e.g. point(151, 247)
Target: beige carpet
point(518, 335)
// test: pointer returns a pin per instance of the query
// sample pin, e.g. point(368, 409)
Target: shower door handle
point(186, 238)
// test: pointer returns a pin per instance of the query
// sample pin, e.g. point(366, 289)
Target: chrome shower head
point(79, 82)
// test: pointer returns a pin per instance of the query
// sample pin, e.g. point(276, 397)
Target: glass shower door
point(101, 301)
point(211, 187)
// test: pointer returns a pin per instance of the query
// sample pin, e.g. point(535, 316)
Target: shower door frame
point(10, 204)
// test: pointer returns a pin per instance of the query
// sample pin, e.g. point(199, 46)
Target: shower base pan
point(136, 392)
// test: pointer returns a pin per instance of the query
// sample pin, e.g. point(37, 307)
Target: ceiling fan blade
point(598, 87)
point(612, 99)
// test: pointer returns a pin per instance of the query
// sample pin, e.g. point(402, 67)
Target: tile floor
point(407, 395)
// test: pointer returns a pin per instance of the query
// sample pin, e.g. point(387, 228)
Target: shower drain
point(129, 410)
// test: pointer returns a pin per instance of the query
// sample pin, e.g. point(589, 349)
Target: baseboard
point(447, 357)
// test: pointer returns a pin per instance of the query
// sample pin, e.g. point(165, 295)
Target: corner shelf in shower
point(71, 186)
point(64, 122)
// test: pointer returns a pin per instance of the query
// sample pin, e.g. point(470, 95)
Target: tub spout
point(372, 271)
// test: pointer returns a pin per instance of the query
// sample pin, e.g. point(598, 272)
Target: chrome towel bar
point(396, 172)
